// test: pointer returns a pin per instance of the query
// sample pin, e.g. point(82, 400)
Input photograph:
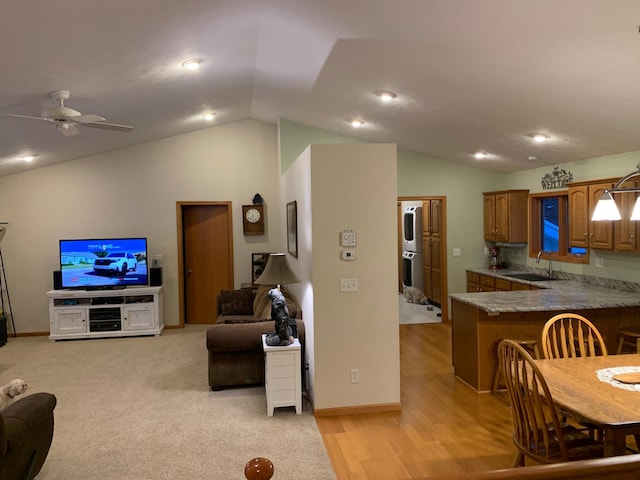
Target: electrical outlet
point(599, 262)
point(355, 375)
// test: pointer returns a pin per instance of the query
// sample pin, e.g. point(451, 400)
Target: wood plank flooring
point(444, 426)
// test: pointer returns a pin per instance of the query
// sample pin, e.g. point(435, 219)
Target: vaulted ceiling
point(469, 75)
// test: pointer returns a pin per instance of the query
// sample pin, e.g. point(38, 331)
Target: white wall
point(353, 187)
point(133, 192)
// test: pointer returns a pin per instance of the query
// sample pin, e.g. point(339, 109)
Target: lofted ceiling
point(469, 75)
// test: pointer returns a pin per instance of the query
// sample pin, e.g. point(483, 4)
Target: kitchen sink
point(530, 277)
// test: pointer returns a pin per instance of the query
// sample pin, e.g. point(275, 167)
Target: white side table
point(282, 376)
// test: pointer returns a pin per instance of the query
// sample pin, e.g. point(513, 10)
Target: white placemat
point(606, 375)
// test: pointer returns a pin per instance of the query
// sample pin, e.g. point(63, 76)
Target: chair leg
point(518, 461)
point(620, 345)
point(496, 379)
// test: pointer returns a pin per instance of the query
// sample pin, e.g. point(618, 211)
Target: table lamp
point(278, 272)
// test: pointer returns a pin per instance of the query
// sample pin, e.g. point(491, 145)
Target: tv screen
point(103, 263)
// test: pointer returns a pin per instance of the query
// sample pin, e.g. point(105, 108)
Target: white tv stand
point(105, 313)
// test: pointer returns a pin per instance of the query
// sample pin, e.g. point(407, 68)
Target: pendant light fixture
point(606, 208)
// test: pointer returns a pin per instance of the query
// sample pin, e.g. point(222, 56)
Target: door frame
point(179, 210)
point(444, 278)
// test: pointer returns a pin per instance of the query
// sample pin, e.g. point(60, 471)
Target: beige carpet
point(140, 408)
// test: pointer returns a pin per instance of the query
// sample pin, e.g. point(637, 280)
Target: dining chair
point(538, 432)
point(571, 335)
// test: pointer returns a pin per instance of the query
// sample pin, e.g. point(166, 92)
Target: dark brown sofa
point(234, 343)
point(26, 432)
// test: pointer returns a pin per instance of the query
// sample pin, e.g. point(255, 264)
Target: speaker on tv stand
point(155, 276)
point(57, 280)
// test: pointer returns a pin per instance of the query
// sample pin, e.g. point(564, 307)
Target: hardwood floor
point(444, 426)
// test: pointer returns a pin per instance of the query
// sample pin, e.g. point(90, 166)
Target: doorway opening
point(433, 238)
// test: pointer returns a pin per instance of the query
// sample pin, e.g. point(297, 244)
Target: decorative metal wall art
point(556, 179)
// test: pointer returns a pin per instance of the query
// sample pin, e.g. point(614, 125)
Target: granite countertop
point(560, 295)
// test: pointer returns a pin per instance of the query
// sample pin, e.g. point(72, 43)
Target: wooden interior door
point(205, 254)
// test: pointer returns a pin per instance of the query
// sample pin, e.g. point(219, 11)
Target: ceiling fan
point(66, 119)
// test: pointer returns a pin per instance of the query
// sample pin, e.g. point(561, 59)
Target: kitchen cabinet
point(473, 282)
point(432, 249)
point(505, 216)
point(477, 282)
point(625, 231)
point(584, 233)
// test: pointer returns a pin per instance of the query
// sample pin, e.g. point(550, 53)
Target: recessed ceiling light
point(385, 96)
point(26, 158)
point(481, 155)
point(540, 137)
point(356, 123)
point(193, 64)
point(532, 158)
point(209, 116)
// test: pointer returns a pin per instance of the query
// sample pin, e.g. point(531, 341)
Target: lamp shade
point(277, 271)
point(606, 209)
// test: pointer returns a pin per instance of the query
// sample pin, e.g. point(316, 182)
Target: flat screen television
point(103, 263)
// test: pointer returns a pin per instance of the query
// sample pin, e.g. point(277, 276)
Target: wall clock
point(253, 219)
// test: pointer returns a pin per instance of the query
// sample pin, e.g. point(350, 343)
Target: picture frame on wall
point(292, 228)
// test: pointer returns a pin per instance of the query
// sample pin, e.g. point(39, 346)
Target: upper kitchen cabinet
point(625, 231)
point(584, 233)
point(505, 216)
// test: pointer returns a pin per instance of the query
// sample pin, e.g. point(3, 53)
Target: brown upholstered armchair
point(26, 432)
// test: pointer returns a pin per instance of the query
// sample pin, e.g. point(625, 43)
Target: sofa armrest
point(26, 432)
point(234, 337)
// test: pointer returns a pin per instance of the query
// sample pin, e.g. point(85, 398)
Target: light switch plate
point(348, 284)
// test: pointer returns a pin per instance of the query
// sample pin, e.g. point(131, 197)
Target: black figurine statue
point(280, 315)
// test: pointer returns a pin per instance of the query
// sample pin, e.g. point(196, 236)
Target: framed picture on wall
point(292, 228)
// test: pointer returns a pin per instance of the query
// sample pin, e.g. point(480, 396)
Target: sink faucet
point(550, 270)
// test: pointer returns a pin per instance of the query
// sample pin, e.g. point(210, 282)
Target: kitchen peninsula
point(480, 320)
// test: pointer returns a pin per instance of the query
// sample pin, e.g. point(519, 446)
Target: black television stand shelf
point(105, 313)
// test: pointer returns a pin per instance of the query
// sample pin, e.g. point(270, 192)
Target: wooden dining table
point(575, 386)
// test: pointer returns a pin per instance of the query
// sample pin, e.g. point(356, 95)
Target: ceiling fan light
point(481, 155)
point(540, 137)
point(606, 209)
point(357, 123)
point(192, 64)
point(209, 116)
point(635, 215)
point(385, 96)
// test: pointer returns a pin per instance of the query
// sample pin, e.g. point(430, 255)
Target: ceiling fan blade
point(109, 126)
point(42, 119)
point(87, 118)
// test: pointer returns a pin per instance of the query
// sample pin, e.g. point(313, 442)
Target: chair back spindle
point(571, 335)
